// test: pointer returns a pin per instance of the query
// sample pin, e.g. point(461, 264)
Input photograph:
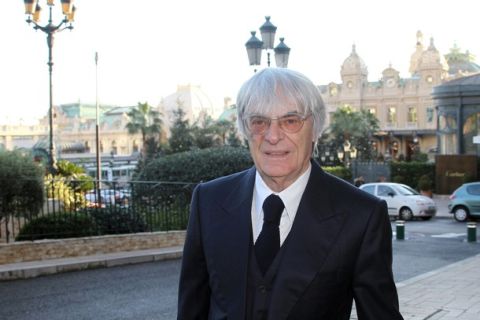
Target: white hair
point(273, 87)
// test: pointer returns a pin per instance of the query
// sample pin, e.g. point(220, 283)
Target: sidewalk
point(33, 269)
point(449, 293)
point(442, 206)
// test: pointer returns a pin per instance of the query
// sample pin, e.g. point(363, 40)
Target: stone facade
point(404, 106)
point(79, 247)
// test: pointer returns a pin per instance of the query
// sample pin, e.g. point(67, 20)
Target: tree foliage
point(146, 121)
point(181, 137)
point(21, 186)
point(205, 132)
point(357, 127)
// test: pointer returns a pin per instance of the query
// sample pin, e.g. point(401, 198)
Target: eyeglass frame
point(302, 118)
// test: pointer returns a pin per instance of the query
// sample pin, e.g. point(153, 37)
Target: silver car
point(403, 202)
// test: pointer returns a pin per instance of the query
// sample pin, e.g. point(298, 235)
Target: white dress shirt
point(291, 199)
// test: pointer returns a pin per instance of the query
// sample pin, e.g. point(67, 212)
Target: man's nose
point(274, 133)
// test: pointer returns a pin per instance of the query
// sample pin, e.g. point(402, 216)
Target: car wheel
point(460, 214)
point(406, 214)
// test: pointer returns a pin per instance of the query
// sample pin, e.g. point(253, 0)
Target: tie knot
point(272, 209)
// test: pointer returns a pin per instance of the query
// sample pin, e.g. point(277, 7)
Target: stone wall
point(76, 247)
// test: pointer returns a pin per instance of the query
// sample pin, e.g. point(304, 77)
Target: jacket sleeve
point(374, 288)
point(194, 290)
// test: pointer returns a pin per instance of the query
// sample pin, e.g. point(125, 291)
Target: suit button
point(262, 288)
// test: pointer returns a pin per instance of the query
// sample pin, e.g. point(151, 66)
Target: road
point(148, 291)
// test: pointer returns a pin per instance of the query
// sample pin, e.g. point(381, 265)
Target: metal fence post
point(400, 224)
point(472, 231)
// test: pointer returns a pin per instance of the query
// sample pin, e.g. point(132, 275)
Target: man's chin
point(275, 171)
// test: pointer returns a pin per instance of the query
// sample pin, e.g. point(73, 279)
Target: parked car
point(465, 201)
point(403, 202)
point(107, 196)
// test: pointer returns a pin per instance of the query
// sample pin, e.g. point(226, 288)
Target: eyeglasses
point(290, 123)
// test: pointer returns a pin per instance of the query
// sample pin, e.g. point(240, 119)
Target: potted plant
point(425, 186)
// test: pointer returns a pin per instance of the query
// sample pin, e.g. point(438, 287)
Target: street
point(148, 291)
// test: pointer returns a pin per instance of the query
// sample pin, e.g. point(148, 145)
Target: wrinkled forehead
point(275, 103)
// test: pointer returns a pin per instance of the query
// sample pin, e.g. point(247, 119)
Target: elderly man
point(284, 239)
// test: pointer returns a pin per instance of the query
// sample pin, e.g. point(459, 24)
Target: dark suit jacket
point(339, 249)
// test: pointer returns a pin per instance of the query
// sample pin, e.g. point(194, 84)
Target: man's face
point(281, 157)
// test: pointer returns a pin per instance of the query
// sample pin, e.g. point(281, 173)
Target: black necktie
point(268, 242)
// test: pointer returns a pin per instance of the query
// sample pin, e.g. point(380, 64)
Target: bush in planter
point(412, 172)
point(425, 185)
point(116, 220)
point(58, 226)
point(339, 171)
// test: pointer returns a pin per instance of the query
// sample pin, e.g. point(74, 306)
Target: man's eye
point(291, 121)
point(258, 122)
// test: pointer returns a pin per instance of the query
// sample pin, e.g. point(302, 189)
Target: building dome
point(354, 65)
point(460, 63)
point(432, 59)
point(415, 57)
point(192, 99)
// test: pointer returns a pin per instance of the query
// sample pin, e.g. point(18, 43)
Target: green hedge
point(58, 226)
point(116, 220)
point(339, 171)
point(411, 173)
point(197, 165)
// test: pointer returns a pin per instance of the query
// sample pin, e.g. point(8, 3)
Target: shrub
point(21, 185)
point(425, 183)
point(412, 171)
point(339, 171)
point(116, 220)
point(197, 165)
point(398, 179)
point(65, 225)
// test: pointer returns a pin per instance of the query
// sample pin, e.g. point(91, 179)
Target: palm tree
point(356, 127)
point(146, 120)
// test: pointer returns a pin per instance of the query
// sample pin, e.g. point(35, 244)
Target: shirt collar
point(290, 196)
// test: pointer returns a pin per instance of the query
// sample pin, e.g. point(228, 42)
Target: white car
point(402, 201)
point(108, 196)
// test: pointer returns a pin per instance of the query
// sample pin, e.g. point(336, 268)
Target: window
point(369, 189)
point(471, 128)
point(392, 115)
point(384, 191)
point(474, 189)
point(372, 110)
point(412, 115)
point(429, 114)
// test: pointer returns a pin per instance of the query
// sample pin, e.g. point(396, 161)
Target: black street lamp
point(255, 46)
point(347, 153)
point(33, 10)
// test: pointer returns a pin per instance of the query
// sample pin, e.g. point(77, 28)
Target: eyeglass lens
point(288, 123)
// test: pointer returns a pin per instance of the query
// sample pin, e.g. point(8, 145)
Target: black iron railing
point(72, 208)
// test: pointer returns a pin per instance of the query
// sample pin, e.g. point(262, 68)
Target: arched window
point(114, 147)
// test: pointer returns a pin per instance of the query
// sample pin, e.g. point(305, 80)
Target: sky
point(148, 47)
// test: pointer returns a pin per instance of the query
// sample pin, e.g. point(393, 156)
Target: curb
point(25, 270)
point(432, 273)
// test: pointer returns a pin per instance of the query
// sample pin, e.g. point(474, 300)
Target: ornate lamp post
point(347, 153)
point(33, 10)
point(255, 46)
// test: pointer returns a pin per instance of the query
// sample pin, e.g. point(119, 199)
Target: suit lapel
point(313, 233)
point(231, 237)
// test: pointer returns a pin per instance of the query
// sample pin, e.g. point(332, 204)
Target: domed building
point(461, 64)
point(193, 101)
point(404, 106)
